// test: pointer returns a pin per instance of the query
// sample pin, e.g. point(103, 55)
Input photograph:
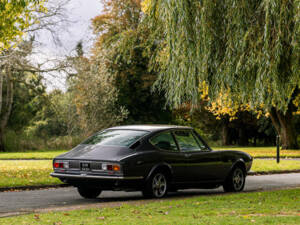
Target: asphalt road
point(14, 203)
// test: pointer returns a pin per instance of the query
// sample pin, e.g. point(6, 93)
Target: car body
point(154, 159)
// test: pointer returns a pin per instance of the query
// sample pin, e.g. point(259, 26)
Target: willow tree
point(247, 50)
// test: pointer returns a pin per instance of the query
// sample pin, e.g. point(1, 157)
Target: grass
point(275, 207)
point(263, 165)
point(26, 173)
point(14, 173)
point(258, 152)
point(31, 155)
point(263, 151)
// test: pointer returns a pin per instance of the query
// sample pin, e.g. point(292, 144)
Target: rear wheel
point(156, 186)
point(87, 192)
point(235, 181)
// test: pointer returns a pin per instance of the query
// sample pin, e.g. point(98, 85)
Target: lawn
point(14, 173)
point(263, 151)
point(254, 151)
point(31, 154)
point(26, 173)
point(264, 165)
point(274, 207)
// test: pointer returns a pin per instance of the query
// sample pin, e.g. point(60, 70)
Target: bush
point(18, 142)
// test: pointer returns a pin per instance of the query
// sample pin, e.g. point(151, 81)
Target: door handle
point(187, 155)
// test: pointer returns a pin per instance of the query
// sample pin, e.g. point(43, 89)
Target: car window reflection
point(187, 141)
point(122, 138)
point(164, 141)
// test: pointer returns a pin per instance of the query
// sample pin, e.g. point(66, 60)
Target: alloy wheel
point(238, 179)
point(159, 185)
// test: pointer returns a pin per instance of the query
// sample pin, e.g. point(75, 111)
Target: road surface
point(19, 202)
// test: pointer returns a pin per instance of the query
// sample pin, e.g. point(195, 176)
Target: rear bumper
point(102, 182)
point(89, 176)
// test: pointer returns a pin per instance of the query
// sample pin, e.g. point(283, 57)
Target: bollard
point(277, 145)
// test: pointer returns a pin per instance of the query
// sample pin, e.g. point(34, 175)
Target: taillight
point(58, 165)
point(111, 167)
point(116, 168)
point(61, 165)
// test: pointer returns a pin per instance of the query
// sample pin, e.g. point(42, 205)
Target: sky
point(80, 13)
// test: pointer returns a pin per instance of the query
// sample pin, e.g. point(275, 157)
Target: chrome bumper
point(84, 176)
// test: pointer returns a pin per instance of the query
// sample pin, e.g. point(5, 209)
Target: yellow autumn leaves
point(15, 17)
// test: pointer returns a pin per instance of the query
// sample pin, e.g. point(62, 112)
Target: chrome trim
point(64, 175)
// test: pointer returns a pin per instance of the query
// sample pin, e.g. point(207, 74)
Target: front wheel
point(87, 192)
point(235, 181)
point(156, 186)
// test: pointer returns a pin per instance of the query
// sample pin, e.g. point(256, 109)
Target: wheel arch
point(161, 167)
point(239, 163)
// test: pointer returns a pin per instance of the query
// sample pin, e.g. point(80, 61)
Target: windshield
point(122, 138)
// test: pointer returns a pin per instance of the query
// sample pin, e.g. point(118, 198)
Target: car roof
point(151, 127)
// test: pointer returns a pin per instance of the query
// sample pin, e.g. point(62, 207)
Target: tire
point(156, 186)
point(87, 192)
point(235, 182)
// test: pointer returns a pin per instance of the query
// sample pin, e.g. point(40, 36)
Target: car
point(154, 159)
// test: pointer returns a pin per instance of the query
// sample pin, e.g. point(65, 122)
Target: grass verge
point(15, 173)
point(31, 155)
point(275, 207)
point(263, 151)
point(258, 152)
point(26, 173)
point(264, 165)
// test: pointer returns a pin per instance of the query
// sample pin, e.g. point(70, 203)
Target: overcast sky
point(80, 13)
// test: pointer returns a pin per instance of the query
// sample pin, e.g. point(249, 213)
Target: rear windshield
point(123, 138)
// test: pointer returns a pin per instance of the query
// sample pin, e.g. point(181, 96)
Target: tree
point(56, 117)
point(121, 25)
point(15, 17)
point(247, 50)
point(93, 93)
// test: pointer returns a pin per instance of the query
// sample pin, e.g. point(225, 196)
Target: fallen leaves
point(37, 216)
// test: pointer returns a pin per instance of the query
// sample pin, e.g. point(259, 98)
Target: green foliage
point(122, 70)
point(15, 17)
point(58, 117)
point(249, 49)
point(95, 95)
point(134, 80)
point(23, 141)
point(29, 98)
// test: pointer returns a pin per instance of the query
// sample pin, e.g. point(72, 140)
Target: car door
point(201, 163)
point(169, 153)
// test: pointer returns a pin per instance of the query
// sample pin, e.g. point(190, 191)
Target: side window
point(186, 141)
point(164, 141)
point(200, 142)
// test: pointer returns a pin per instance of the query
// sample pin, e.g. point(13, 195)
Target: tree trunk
point(225, 134)
point(4, 116)
point(1, 86)
point(283, 124)
point(243, 139)
point(1, 132)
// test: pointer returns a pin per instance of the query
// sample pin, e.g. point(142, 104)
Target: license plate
point(85, 166)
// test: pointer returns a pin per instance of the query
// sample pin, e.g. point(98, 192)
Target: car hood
point(97, 152)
